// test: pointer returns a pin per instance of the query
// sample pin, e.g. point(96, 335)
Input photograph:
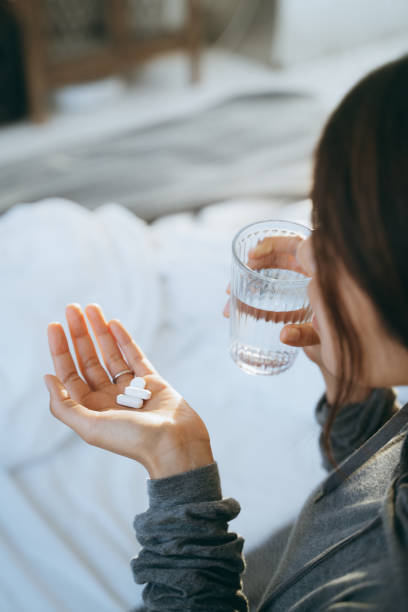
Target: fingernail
point(292, 334)
point(114, 322)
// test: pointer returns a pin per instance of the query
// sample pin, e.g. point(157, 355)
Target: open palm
point(160, 436)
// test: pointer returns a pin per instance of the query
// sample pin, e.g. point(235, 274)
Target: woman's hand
point(166, 436)
point(280, 252)
point(307, 338)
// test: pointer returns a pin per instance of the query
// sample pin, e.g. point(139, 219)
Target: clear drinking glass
point(264, 299)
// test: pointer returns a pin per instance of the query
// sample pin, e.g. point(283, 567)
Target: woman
point(348, 548)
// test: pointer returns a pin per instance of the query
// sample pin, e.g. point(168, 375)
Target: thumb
point(64, 408)
point(300, 334)
point(57, 390)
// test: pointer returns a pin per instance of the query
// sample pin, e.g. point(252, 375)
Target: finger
point(226, 311)
point(64, 365)
point(228, 290)
point(284, 261)
point(70, 412)
point(286, 316)
point(110, 350)
point(277, 316)
point(277, 244)
point(276, 252)
point(302, 334)
point(138, 361)
point(88, 360)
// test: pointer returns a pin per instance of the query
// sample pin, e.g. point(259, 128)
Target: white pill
point(138, 382)
point(136, 392)
point(130, 402)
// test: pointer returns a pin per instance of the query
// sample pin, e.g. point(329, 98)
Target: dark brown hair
point(360, 214)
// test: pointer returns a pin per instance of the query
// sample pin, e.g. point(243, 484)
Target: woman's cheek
point(328, 352)
point(328, 360)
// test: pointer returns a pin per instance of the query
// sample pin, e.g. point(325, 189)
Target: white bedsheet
point(66, 527)
point(66, 517)
point(52, 253)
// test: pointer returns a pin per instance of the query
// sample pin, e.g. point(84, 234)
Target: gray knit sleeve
point(355, 422)
point(189, 560)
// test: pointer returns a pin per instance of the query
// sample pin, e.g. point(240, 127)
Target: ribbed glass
point(263, 301)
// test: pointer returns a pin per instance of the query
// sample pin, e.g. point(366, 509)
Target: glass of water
point(268, 291)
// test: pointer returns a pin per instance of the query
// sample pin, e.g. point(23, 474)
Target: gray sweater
point(346, 551)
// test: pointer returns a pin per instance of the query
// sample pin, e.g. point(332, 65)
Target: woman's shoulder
point(355, 422)
point(395, 522)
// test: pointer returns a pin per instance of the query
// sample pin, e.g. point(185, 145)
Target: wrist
point(178, 457)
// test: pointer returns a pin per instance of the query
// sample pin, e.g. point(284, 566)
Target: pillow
point(51, 253)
